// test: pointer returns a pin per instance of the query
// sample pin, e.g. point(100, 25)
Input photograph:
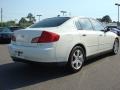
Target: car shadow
point(4, 43)
point(17, 75)
point(97, 58)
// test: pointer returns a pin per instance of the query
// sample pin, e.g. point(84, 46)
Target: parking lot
point(101, 73)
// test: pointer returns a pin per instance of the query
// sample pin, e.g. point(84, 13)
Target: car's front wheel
point(115, 46)
point(76, 59)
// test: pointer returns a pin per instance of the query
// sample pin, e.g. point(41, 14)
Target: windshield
point(50, 22)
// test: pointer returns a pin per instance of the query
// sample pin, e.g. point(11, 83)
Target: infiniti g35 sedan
point(69, 40)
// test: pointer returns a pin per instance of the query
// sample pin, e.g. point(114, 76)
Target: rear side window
point(50, 22)
point(78, 26)
point(85, 24)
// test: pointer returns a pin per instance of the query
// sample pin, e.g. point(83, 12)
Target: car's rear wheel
point(115, 47)
point(76, 59)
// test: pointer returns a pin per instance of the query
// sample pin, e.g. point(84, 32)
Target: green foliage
point(3, 24)
point(99, 19)
point(22, 20)
point(106, 19)
point(31, 18)
point(7, 24)
point(24, 23)
point(10, 23)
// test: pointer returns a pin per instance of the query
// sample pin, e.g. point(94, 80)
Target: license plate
point(19, 54)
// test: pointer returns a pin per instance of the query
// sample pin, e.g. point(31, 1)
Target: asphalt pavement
point(101, 73)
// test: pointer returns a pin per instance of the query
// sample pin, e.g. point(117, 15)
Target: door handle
point(100, 35)
point(84, 35)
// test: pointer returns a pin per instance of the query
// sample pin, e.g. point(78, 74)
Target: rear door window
point(85, 24)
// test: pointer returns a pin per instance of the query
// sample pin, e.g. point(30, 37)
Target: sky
point(15, 9)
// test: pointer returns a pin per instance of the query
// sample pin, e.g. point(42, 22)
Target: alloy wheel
point(116, 46)
point(77, 59)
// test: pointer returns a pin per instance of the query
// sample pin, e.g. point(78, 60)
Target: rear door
point(87, 35)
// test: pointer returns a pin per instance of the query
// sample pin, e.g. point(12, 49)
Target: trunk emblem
point(22, 36)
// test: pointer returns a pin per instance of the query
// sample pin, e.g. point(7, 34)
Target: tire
point(76, 59)
point(115, 47)
point(118, 33)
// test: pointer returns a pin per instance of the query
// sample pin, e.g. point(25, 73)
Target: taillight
point(13, 38)
point(46, 37)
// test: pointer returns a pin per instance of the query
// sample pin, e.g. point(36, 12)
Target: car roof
point(75, 17)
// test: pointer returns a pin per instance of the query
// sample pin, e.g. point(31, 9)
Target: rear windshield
point(50, 22)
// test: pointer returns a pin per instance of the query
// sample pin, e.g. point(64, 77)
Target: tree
point(99, 19)
point(10, 23)
point(3, 24)
point(31, 18)
point(24, 23)
point(106, 19)
point(22, 20)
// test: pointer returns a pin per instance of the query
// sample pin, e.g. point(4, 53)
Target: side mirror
point(106, 29)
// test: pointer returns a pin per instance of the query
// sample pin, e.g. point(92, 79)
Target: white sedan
point(69, 40)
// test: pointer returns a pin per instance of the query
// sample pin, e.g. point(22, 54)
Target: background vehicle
point(68, 40)
point(5, 35)
point(14, 28)
point(114, 29)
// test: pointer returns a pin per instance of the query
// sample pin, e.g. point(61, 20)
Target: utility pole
point(39, 16)
point(1, 14)
point(63, 12)
point(118, 11)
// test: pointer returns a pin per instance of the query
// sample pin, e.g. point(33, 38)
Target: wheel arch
point(81, 45)
point(117, 39)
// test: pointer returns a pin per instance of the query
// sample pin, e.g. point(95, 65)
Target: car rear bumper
point(35, 54)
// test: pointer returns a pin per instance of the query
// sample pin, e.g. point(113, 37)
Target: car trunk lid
point(24, 37)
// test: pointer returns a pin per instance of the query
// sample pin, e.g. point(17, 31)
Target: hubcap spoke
point(116, 47)
point(77, 59)
point(80, 57)
point(78, 53)
point(74, 62)
point(77, 65)
point(74, 55)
